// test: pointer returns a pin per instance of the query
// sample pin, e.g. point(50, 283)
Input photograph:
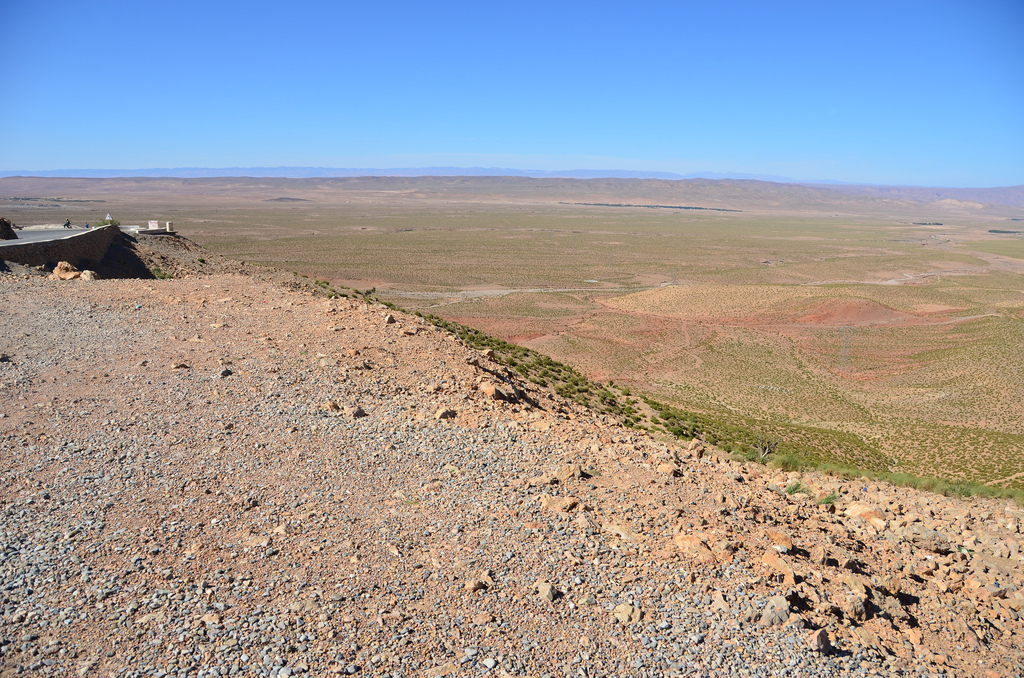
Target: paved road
point(43, 235)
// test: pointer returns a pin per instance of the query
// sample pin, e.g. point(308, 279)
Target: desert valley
point(503, 426)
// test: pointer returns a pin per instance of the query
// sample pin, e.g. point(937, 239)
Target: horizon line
point(314, 172)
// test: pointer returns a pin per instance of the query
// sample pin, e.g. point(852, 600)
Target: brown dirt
point(852, 312)
point(187, 485)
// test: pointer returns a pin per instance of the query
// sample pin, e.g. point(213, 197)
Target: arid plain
point(883, 329)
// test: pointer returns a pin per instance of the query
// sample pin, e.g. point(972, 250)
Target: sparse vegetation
point(929, 389)
point(765, 447)
point(797, 488)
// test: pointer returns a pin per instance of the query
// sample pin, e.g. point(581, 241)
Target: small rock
point(925, 538)
point(65, 271)
point(569, 472)
point(868, 514)
point(541, 480)
point(856, 584)
point(624, 533)
point(855, 607)
point(445, 413)
point(587, 522)
point(492, 391)
point(819, 641)
point(695, 548)
point(560, 504)
point(669, 469)
point(773, 560)
point(776, 612)
point(780, 541)
point(627, 614)
point(546, 591)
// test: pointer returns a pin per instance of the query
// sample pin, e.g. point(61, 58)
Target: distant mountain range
point(1008, 195)
point(311, 172)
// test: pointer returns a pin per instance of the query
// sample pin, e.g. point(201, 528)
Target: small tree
point(765, 446)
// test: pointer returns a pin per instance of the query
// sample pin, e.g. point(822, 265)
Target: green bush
point(796, 487)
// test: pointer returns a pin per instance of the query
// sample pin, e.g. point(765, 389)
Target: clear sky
point(924, 93)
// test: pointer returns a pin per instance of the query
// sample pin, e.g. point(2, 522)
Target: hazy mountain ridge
point(1005, 195)
point(717, 193)
point(332, 172)
point(1012, 196)
point(329, 172)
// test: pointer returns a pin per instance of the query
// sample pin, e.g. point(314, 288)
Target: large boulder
point(7, 229)
point(65, 271)
point(925, 538)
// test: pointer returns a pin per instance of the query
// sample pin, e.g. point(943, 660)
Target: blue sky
point(924, 93)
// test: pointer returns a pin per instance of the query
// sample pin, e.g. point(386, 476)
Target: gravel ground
point(218, 476)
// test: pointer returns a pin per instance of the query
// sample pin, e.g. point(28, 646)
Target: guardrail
point(91, 245)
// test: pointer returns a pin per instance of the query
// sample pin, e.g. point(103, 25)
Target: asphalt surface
point(43, 235)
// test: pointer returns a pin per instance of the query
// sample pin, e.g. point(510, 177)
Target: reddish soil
point(854, 312)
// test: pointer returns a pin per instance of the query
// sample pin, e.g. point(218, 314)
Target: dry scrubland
point(870, 329)
point(223, 474)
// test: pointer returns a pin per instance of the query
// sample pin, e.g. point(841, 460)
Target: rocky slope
point(218, 475)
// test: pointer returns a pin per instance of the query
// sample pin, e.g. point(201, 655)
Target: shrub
point(797, 487)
